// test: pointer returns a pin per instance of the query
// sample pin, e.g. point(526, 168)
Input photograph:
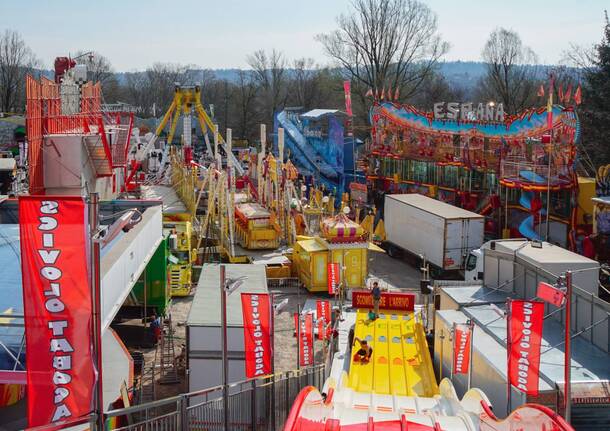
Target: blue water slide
point(527, 228)
point(305, 156)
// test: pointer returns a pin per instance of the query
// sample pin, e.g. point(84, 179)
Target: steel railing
point(284, 283)
point(256, 404)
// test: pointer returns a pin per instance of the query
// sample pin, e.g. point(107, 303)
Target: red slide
point(310, 412)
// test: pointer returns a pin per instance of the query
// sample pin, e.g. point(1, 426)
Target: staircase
point(147, 391)
point(98, 155)
point(167, 354)
point(120, 145)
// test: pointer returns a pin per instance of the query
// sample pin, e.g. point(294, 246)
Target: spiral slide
point(396, 390)
point(527, 228)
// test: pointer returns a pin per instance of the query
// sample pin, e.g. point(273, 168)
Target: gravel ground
point(397, 274)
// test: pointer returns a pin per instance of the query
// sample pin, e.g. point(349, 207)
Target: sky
point(134, 34)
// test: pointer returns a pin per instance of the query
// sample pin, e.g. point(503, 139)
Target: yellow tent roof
point(340, 226)
point(311, 245)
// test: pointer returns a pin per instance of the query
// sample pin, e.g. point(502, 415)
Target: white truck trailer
point(442, 234)
point(519, 264)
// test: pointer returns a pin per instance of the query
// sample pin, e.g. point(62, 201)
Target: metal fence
point(284, 283)
point(257, 404)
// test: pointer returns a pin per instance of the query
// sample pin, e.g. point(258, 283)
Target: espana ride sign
point(467, 112)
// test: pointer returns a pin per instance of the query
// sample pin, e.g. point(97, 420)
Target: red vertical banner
point(321, 323)
point(57, 305)
point(323, 316)
point(306, 340)
point(549, 104)
point(332, 277)
point(462, 337)
point(524, 338)
point(256, 309)
point(348, 97)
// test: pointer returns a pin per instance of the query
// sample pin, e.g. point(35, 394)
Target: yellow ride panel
point(361, 375)
point(400, 364)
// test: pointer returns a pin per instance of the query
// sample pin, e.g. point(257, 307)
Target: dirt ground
point(395, 274)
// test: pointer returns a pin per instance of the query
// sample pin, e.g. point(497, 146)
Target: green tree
point(595, 112)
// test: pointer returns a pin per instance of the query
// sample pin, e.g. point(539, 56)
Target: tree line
point(389, 47)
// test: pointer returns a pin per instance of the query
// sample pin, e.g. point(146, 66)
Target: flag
point(390, 93)
point(323, 316)
point(550, 294)
point(61, 376)
point(560, 93)
point(332, 277)
point(376, 94)
point(369, 93)
point(541, 91)
point(306, 340)
point(568, 94)
point(396, 94)
point(383, 92)
point(348, 97)
point(462, 339)
point(524, 339)
point(256, 310)
point(549, 106)
point(578, 96)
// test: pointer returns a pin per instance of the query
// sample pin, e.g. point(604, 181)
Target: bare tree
point(136, 92)
point(387, 44)
point(245, 97)
point(305, 83)
point(511, 76)
point(99, 68)
point(16, 61)
point(161, 81)
point(270, 75)
point(436, 88)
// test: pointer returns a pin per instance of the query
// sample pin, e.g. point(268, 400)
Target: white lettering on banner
point(305, 338)
point(259, 349)
point(462, 341)
point(61, 362)
point(524, 364)
point(333, 277)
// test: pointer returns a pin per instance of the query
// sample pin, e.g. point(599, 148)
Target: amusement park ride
point(500, 169)
point(519, 173)
point(235, 212)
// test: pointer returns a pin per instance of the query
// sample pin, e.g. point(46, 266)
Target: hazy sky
point(221, 33)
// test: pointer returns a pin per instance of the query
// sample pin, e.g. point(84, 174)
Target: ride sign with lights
point(467, 112)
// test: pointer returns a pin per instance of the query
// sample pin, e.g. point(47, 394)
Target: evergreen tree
point(595, 114)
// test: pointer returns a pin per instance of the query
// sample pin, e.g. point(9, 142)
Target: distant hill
point(463, 74)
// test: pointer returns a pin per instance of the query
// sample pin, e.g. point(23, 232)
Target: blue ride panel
point(315, 144)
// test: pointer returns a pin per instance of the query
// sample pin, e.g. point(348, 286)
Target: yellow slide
point(400, 364)
point(361, 375)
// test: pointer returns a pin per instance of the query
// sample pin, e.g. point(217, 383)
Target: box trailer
point(443, 234)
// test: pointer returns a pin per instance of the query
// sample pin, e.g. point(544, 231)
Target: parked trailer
point(443, 234)
point(520, 264)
